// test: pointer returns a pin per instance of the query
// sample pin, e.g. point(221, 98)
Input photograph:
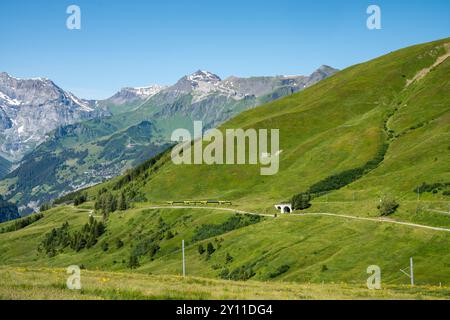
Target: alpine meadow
point(364, 164)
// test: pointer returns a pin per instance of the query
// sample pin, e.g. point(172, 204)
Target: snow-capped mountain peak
point(31, 108)
point(203, 76)
point(130, 94)
point(146, 92)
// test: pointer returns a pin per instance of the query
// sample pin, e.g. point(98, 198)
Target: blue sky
point(141, 42)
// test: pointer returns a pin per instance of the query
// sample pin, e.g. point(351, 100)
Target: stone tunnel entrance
point(284, 208)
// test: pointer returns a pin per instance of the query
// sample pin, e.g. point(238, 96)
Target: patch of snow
point(82, 104)
point(148, 91)
point(8, 100)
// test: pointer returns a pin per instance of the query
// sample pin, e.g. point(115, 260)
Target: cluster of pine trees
point(45, 207)
point(22, 223)
point(80, 199)
point(149, 246)
point(56, 240)
point(60, 238)
point(88, 236)
point(107, 202)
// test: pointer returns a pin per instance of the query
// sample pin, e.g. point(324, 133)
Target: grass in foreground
point(307, 248)
point(39, 284)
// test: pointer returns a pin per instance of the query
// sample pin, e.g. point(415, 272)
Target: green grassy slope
point(93, 151)
point(315, 249)
point(339, 124)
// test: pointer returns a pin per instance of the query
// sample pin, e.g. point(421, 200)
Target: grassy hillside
point(339, 124)
point(88, 153)
point(288, 248)
point(366, 126)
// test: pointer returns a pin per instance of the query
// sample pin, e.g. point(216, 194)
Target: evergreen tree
point(122, 203)
point(301, 201)
point(210, 249)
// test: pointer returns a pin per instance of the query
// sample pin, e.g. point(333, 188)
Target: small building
point(284, 207)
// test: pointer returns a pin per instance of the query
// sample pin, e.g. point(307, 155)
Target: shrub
point(431, 187)
point(169, 235)
point(388, 206)
point(243, 273)
point(105, 246)
point(133, 262)
point(279, 271)
point(210, 249)
point(301, 201)
point(201, 250)
point(224, 273)
point(207, 231)
point(119, 243)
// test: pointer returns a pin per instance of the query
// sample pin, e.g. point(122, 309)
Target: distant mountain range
point(61, 143)
point(30, 108)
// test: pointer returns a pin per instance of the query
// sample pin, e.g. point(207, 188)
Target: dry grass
point(40, 284)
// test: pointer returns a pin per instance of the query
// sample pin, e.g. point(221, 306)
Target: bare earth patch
point(422, 73)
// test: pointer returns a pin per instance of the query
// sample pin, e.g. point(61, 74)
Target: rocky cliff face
point(132, 95)
point(31, 108)
point(202, 84)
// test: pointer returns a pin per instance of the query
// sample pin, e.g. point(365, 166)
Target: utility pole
point(418, 199)
point(411, 271)
point(184, 263)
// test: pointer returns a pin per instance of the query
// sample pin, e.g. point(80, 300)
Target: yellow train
point(199, 202)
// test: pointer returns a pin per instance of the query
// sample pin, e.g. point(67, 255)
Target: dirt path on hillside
point(422, 73)
point(379, 220)
point(386, 220)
